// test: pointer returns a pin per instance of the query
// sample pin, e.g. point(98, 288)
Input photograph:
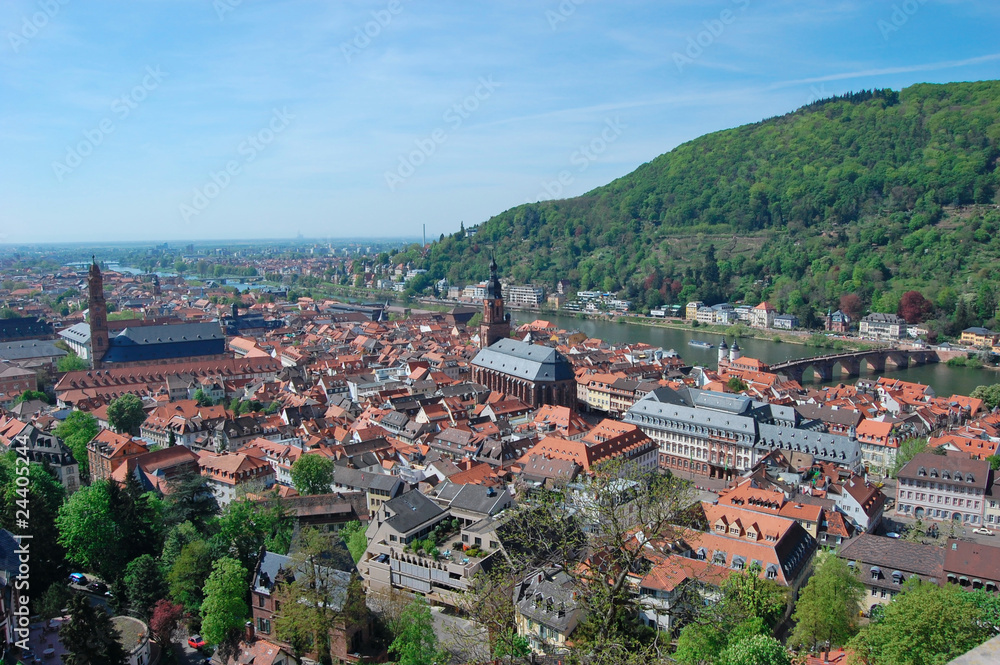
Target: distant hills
point(873, 194)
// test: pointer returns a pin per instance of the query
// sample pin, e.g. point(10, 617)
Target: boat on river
point(700, 344)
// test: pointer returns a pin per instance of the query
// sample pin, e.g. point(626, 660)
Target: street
point(465, 640)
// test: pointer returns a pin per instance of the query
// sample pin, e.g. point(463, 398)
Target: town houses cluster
point(438, 424)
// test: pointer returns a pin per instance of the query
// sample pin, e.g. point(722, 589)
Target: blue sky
point(202, 119)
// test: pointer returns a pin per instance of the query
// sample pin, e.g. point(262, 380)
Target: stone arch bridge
point(851, 362)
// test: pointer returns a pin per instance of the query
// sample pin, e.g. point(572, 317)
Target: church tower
point(98, 315)
point(496, 324)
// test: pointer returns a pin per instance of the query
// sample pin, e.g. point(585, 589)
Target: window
point(264, 626)
point(260, 600)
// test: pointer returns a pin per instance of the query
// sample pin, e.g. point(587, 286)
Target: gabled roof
point(410, 510)
point(532, 362)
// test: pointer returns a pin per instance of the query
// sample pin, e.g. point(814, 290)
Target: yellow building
point(691, 311)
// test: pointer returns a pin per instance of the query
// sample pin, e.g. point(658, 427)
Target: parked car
point(78, 578)
point(196, 642)
point(891, 534)
point(983, 531)
point(97, 587)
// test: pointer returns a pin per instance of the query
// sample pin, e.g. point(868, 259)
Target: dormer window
point(921, 471)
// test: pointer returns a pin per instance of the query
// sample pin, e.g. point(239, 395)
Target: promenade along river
point(943, 379)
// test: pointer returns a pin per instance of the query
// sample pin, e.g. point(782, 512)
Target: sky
point(154, 120)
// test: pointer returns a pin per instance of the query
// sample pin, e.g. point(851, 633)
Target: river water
point(943, 379)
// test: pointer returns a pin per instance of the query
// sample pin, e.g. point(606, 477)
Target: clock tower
point(496, 323)
point(98, 315)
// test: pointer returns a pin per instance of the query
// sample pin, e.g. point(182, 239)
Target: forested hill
point(873, 194)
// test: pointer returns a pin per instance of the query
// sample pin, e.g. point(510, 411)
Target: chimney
point(249, 632)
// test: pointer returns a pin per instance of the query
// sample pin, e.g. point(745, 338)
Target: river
point(943, 379)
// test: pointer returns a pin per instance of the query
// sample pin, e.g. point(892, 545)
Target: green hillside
point(872, 194)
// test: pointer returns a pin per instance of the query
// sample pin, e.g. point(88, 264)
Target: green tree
point(990, 394)
point(224, 609)
point(29, 395)
point(201, 398)
point(927, 624)
point(125, 414)
point(736, 384)
point(907, 450)
point(246, 526)
point(44, 497)
point(828, 607)
point(188, 573)
point(143, 583)
point(353, 534)
point(700, 643)
point(89, 637)
point(416, 643)
point(755, 650)
point(77, 431)
point(312, 474)
point(103, 527)
point(71, 363)
point(190, 499)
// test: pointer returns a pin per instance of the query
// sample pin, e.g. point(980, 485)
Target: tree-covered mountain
point(872, 194)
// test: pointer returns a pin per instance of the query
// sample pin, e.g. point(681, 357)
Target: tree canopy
point(224, 609)
point(312, 474)
point(125, 414)
point(927, 624)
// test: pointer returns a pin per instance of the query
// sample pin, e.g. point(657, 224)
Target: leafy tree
point(353, 534)
point(44, 496)
point(201, 398)
point(851, 304)
point(143, 584)
point(29, 395)
point(736, 384)
point(827, 609)
point(125, 414)
point(907, 450)
point(188, 573)
point(190, 500)
point(71, 363)
point(246, 526)
point(54, 601)
point(308, 610)
point(103, 527)
point(312, 474)
point(164, 620)
point(755, 650)
point(914, 307)
point(994, 461)
point(416, 643)
point(925, 625)
point(224, 609)
point(990, 394)
point(89, 637)
point(699, 643)
point(77, 431)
